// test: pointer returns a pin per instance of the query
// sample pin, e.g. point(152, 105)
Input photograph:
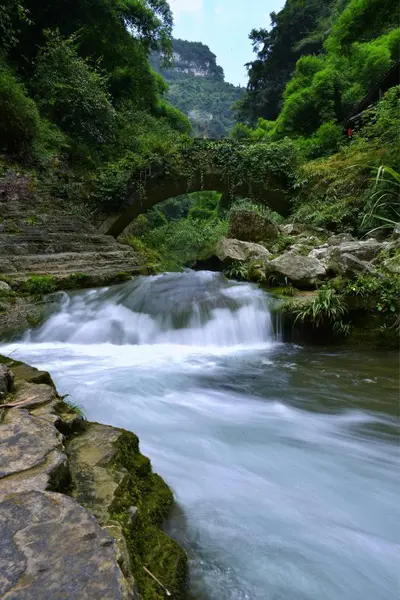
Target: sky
point(224, 26)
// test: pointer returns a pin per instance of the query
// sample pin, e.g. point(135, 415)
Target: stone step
point(52, 243)
point(70, 262)
point(19, 222)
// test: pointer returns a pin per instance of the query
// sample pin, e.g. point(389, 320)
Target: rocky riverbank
point(332, 287)
point(81, 511)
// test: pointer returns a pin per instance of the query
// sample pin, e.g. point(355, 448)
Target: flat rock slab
point(31, 456)
point(25, 441)
point(90, 460)
point(53, 549)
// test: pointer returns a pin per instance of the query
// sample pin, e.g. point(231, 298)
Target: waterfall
point(199, 309)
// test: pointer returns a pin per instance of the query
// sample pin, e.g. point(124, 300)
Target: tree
point(73, 95)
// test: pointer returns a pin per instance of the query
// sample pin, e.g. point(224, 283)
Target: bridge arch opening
point(159, 190)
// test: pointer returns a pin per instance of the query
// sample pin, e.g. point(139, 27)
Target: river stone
point(230, 251)
point(249, 226)
point(363, 250)
point(349, 265)
point(4, 287)
point(303, 271)
point(53, 549)
point(6, 381)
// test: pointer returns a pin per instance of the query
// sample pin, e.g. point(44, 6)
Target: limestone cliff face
point(80, 508)
point(197, 87)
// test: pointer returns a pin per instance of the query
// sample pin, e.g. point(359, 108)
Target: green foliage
point(326, 308)
point(246, 205)
point(39, 285)
point(383, 290)
point(362, 44)
point(237, 270)
point(283, 243)
point(287, 291)
point(341, 192)
point(179, 242)
point(73, 95)
point(383, 206)
point(73, 407)
point(19, 117)
point(295, 31)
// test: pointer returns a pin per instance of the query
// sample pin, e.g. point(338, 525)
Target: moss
point(39, 285)
point(27, 373)
point(74, 281)
point(34, 320)
point(148, 545)
point(285, 291)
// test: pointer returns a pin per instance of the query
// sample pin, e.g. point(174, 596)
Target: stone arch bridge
point(210, 174)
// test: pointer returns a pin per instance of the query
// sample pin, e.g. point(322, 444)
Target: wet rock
point(110, 476)
point(249, 226)
point(6, 381)
point(53, 549)
point(32, 456)
point(396, 232)
point(92, 454)
point(231, 250)
point(303, 271)
point(50, 546)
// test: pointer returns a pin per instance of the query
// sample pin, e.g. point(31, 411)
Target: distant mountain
point(198, 88)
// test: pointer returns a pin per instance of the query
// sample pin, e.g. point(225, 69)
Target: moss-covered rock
point(113, 480)
point(250, 226)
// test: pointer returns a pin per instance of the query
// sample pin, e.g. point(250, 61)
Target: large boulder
point(364, 250)
point(52, 548)
point(302, 271)
point(249, 226)
point(231, 250)
point(349, 265)
point(336, 252)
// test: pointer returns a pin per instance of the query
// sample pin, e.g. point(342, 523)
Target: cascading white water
point(283, 460)
point(192, 309)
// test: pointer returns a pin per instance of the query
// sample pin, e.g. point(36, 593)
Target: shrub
point(385, 290)
point(19, 117)
point(246, 205)
point(73, 95)
point(382, 207)
point(326, 308)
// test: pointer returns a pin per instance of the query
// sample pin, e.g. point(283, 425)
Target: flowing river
point(283, 459)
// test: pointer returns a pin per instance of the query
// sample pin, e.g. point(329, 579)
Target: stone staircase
point(37, 237)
